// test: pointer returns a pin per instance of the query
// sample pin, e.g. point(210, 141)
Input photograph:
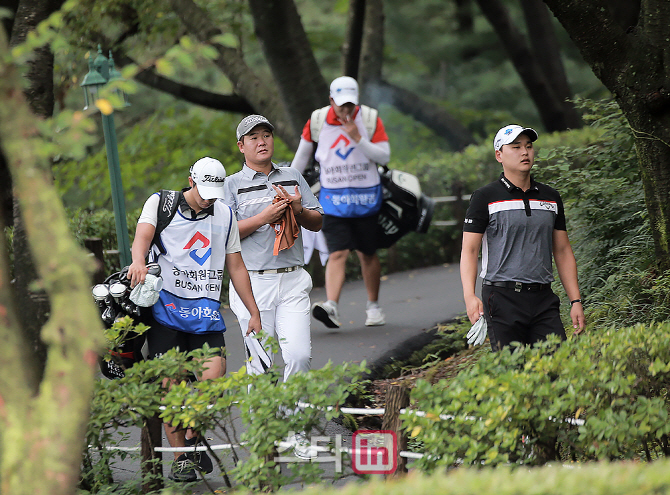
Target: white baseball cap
point(344, 90)
point(209, 174)
point(509, 133)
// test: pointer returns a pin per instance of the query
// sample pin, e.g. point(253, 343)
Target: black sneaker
point(183, 470)
point(201, 460)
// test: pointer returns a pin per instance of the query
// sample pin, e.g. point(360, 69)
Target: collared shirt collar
point(184, 206)
point(511, 187)
point(249, 173)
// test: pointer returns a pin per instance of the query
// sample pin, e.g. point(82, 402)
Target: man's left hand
point(295, 199)
point(578, 318)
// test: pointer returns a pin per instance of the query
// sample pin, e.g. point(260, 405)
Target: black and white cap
point(248, 123)
point(209, 174)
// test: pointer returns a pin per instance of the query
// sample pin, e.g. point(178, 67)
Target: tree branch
point(230, 61)
point(287, 50)
point(191, 94)
point(434, 117)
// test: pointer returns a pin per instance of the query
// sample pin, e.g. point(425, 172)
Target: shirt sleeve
point(377, 152)
point(559, 222)
point(150, 210)
point(234, 245)
point(229, 195)
point(380, 133)
point(477, 215)
point(307, 132)
point(309, 201)
point(303, 155)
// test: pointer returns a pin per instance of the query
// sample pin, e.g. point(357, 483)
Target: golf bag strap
point(167, 209)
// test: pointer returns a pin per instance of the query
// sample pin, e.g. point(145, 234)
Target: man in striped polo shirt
point(260, 195)
point(519, 224)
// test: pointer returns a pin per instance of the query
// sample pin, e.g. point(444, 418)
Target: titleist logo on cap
point(212, 178)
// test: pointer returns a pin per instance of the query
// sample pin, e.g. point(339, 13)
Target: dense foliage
point(599, 180)
point(600, 396)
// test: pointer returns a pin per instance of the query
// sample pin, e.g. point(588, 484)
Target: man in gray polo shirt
point(261, 195)
point(520, 225)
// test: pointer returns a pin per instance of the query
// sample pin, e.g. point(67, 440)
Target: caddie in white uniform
point(192, 250)
point(259, 195)
point(350, 141)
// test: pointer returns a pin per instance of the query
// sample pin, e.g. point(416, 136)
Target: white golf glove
point(477, 334)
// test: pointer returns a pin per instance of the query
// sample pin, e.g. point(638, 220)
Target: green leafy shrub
point(154, 154)
point(527, 405)
point(595, 479)
point(99, 223)
point(267, 410)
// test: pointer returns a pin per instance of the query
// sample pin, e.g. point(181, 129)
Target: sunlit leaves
point(104, 106)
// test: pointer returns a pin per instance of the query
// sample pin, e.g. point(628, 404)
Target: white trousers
point(283, 301)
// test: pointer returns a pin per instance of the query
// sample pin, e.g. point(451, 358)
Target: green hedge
point(621, 478)
point(525, 401)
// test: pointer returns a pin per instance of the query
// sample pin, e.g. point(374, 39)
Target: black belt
point(518, 286)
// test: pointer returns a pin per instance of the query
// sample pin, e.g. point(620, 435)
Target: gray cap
point(248, 123)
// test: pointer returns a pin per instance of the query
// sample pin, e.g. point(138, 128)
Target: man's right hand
point(474, 307)
point(254, 324)
point(274, 211)
point(137, 273)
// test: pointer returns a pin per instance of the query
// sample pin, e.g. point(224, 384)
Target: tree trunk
point(8, 21)
point(465, 21)
point(372, 48)
point(351, 51)
point(547, 103)
point(39, 93)
point(301, 86)
point(545, 47)
point(634, 64)
point(263, 97)
point(6, 196)
point(42, 429)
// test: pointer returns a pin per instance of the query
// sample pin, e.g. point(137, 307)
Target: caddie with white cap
point(208, 176)
point(348, 141)
point(520, 226)
point(192, 236)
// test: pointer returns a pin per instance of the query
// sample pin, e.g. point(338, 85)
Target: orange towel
point(286, 230)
